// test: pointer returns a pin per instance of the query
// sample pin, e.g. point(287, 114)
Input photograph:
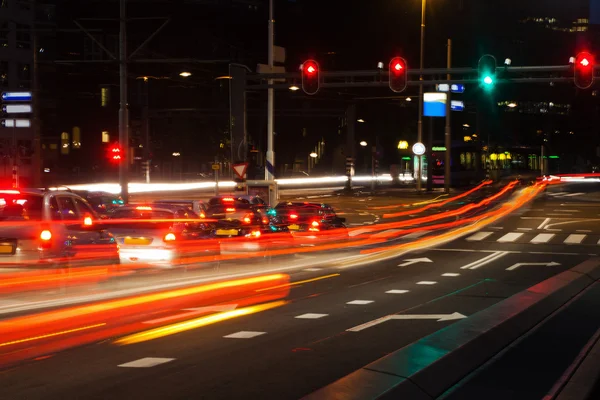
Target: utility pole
point(123, 109)
point(270, 167)
point(420, 120)
point(448, 129)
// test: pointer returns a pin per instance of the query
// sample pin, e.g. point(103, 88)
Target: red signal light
point(115, 153)
point(310, 77)
point(398, 74)
point(583, 73)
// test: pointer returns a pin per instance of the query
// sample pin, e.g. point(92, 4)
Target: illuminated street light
point(508, 61)
point(176, 154)
point(360, 120)
point(313, 155)
point(293, 88)
point(511, 105)
point(466, 125)
point(185, 74)
point(363, 143)
point(408, 99)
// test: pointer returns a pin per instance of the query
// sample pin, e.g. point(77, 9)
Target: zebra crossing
point(535, 238)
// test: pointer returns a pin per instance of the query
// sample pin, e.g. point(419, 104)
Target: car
point(52, 228)
point(197, 206)
point(162, 235)
point(102, 202)
point(311, 220)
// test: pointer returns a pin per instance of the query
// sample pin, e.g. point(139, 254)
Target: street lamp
point(312, 156)
point(360, 120)
point(363, 143)
point(185, 74)
point(293, 88)
point(176, 154)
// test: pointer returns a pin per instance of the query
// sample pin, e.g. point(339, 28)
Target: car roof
point(301, 204)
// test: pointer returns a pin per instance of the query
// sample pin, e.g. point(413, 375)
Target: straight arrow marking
point(517, 265)
point(414, 261)
point(438, 317)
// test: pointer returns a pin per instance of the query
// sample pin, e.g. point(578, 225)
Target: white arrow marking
point(438, 317)
point(517, 265)
point(414, 261)
point(193, 312)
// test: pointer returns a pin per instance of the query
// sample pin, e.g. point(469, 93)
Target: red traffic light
point(584, 70)
point(310, 77)
point(398, 74)
point(115, 153)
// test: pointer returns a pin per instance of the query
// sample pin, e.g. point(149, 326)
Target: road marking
point(517, 265)
point(524, 229)
point(573, 194)
point(312, 269)
point(450, 274)
point(386, 233)
point(411, 261)
point(438, 317)
point(543, 224)
point(510, 237)
point(485, 260)
point(553, 230)
point(584, 230)
point(397, 291)
point(359, 231)
point(567, 211)
point(543, 238)
point(574, 238)
point(244, 335)
point(557, 193)
point(146, 362)
point(193, 312)
point(512, 252)
point(479, 236)
point(360, 302)
point(562, 214)
point(415, 235)
point(311, 316)
point(426, 283)
point(496, 227)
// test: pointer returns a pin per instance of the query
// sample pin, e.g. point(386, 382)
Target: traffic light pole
point(123, 108)
point(270, 164)
point(420, 120)
point(448, 128)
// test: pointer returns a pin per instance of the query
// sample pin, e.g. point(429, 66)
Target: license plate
point(137, 241)
point(294, 227)
point(227, 232)
point(6, 249)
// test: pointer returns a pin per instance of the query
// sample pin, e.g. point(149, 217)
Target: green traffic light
point(488, 80)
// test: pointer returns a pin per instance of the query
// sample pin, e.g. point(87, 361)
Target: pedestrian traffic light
point(584, 70)
point(487, 71)
point(115, 153)
point(310, 77)
point(398, 74)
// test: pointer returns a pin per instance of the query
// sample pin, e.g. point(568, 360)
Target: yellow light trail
point(48, 335)
point(299, 282)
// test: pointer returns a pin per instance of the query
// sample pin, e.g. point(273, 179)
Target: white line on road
point(438, 317)
point(312, 269)
point(426, 283)
point(561, 214)
point(573, 194)
point(397, 291)
point(244, 335)
point(146, 362)
point(415, 235)
point(510, 237)
point(543, 224)
point(479, 236)
point(194, 311)
point(557, 193)
point(574, 238)
point(566, 210)
point(584, 230)
point(360, 302)
point(524, 229)
point(485, 260)
point(311, 316)
point(497, 227)
point(452, 274)
point(543, 238)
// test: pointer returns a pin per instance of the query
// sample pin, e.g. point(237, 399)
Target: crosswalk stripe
point(543, 238)
point(510, 237)
point(574, 238)
point(479, 236)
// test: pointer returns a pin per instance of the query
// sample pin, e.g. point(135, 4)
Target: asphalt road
point(330, 327)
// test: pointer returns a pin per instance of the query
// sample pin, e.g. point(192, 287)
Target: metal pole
point(542, 164)
point(420, 120)
point(37, 141)
point(373, 155)
point(448, 130)
point(15, 154)
point(123, 109)
point(270, 167)
point(216, 178)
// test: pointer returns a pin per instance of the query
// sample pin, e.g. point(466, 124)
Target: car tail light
point(228, 199)
point(265, 220)
point(293, 216)
point(255, 234)
point(202, 215)
point(247, 218)
point(87, 221)
point(46, 235)
point(230, 209)
point(144, 208)
point(169, 237)
point(314, 226)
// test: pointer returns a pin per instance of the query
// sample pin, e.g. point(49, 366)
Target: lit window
point(104, 96)
point(105, 137)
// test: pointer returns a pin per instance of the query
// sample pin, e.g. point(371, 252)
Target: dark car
point(103, 203)
point(197, 206)
point(311, 219)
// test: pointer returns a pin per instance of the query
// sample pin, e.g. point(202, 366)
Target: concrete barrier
point(428, 367)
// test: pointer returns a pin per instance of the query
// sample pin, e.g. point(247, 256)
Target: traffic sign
point(17, 108)
point(418, 148)
point(457, 105)
point(442, 87)
point(216, 167)
point(16, 123)
point(240, 170)
point(16, 96)
point(457, 88)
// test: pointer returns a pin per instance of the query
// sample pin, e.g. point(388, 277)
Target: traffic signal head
point(398, 74)
point(584, 70)
point(115, 153)
point(487, 71)
point(310, 77)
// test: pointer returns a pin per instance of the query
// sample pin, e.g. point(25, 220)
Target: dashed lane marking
point(311, 316)
point(426, 283)
point(146, 362)
point(451, 274)
point(360, 302)
point(244, 335)
point(397, 291)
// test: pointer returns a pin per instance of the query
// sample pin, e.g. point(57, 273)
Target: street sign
point(17, 108)
point(442, 87)
point(16, 96)
point(457, 88)
point(457, 105)
point(240, 170)
point(16, 123)
point(418, 148)
point(434, 104)
point(216, 167)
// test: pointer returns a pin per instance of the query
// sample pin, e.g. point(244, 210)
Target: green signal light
point(488, 80)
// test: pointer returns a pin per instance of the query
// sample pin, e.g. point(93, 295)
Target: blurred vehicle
point(161, 234)
point(312, 220)
point(197, 206)
point(102, 202)
point(52, 227)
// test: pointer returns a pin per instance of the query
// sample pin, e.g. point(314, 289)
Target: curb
point(428, 367)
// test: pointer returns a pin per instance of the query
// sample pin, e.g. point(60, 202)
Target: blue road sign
point(434, 104)
point(457, 88)
point(16, 96)
point(457, 105)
